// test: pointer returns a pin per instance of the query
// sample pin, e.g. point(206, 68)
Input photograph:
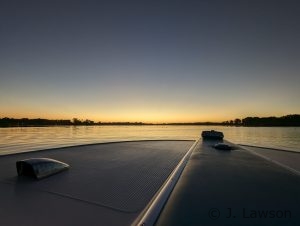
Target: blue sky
point(152, 61)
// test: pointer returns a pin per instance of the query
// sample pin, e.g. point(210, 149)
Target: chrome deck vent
point(40, 167)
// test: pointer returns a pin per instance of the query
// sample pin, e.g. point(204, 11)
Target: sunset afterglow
point(188, 61)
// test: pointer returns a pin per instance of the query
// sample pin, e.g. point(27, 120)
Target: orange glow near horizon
point(145, 116)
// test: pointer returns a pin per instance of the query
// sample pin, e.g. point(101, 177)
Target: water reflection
point(35, 138)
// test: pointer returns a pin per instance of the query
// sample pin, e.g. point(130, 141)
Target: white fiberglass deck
point(107, 184)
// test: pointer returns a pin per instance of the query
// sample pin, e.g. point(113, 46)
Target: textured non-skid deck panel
point(288, 158)
point(119, 177)
point(31, 208)
point(216, 182)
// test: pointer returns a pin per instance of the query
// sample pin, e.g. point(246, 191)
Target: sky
point(150, 61)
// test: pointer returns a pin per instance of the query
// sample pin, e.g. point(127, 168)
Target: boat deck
point(285, 158)
point(115, 183)
point(107, 184)
point(232, 188)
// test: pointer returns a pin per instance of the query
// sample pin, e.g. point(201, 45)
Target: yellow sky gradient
point(145, 114)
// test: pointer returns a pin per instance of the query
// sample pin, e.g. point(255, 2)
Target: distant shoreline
point(284, 121)
point(182, 124)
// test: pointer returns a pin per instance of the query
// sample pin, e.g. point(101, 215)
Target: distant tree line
point(288, 120)
point(25, 122)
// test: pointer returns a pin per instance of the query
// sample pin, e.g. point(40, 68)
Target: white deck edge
point(150, 215)
point(294, 171)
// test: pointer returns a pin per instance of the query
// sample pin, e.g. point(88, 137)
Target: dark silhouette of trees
point(23, 122)
point(288, 120)
point(237, 122)
point(76, 122)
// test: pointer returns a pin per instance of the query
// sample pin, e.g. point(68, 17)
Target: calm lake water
point(13, 140)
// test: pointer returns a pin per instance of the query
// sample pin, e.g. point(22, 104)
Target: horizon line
point(76, 121)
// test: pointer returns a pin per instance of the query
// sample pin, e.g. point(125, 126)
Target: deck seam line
point(70, 197)
point(269, 148)
point(294, 171)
